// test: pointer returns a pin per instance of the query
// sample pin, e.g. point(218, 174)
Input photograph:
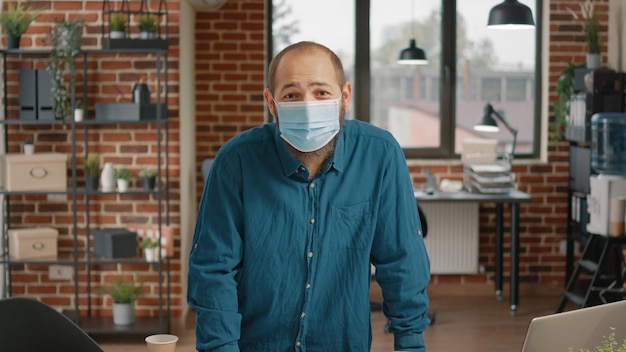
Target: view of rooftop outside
point(493, 66)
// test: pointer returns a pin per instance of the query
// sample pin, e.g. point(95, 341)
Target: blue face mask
point(308, 125)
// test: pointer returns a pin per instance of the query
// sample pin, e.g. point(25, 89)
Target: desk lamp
point(488, 124)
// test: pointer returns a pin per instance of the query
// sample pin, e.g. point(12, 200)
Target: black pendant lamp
point(413, 55)
point(510, 14)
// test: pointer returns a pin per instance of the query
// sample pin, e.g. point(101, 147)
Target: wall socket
point(60, 272)
point(53, 197)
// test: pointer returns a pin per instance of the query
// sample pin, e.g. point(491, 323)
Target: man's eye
point(290, 96)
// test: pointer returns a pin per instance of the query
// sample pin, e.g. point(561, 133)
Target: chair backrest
point(28, 325)
point(423, 221)
point(206, 166)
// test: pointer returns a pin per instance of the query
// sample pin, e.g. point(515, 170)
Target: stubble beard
point(324, 152)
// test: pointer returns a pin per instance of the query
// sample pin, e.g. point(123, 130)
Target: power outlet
point(60, 272)
point(53, 197)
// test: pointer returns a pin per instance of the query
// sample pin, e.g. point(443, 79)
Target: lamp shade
point(510, 14)
point(413, 55)
point(487, 123)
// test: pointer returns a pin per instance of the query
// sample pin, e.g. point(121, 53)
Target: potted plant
point(150, 247)
point(79, 112)
point(148, 176)
point(15, 20)
point(92, 169)
point(29, 146)
point(124, 293)
point(123, 176)
point(591, 28)
point(117, 25)
point(64, 38)
point(147, 26)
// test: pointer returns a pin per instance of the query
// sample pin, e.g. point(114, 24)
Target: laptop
point(584, 328)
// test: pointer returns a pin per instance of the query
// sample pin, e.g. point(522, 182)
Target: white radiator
point(452, 239)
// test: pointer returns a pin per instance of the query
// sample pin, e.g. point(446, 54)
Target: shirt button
point(302, 315)
point(308, 285)
point(312, 184)
point(310, 254)
point(312, 221)
point(297, 343)
point(302, 168)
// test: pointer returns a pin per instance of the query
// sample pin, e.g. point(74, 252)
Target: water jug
point(608, 143)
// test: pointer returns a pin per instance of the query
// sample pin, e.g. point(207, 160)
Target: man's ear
point(346, 94)
point(269, 101)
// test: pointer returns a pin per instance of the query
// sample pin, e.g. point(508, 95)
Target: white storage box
point(479, 150)
point(33, 243)
point(37, 172)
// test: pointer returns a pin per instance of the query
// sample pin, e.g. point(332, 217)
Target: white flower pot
point(594, 61)
point(29, 149)
point(123, 313)
point(147, 35)
point(150, 254)
point(117, 34)
point(122, 185)
point(78, 115)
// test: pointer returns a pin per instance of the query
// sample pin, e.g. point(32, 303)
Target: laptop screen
point(584, 328)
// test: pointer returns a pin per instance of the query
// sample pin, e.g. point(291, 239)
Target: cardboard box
point(479, 150)
point(33, 243)
point(114, 243)
point(36, 172)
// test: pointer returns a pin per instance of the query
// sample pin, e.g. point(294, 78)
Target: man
point(291, 217)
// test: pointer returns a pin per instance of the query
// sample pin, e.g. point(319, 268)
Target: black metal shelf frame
point(90, 323)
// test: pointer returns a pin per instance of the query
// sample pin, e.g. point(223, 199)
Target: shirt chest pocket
point(350, 226)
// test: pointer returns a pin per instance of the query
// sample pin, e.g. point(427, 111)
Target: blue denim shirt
point(280, 262)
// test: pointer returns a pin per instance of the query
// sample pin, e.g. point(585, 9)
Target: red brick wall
point(230, 61)
point(111, 78)
point(229, 100)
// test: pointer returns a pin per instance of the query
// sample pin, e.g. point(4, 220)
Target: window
point(430, 109)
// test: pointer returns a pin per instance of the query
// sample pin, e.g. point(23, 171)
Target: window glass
point(405, 98)
point(328, 22)
point(498, 67)
point(429, 114)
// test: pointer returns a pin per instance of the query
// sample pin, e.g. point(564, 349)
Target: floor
point(469, 323)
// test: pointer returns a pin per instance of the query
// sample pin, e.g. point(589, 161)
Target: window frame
point(447, 96)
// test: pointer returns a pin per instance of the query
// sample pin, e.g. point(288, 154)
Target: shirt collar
point(291, 165)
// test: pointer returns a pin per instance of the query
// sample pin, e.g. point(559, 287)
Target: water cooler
point(608, 160)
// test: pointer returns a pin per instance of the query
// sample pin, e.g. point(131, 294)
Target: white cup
point(162, 343)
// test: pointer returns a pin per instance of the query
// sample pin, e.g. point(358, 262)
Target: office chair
point(206, 166)
point(28, 325)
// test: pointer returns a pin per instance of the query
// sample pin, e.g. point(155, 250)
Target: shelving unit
point(85, 309)
point(588, 278)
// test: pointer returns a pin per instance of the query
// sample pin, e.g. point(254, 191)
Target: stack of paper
point(491, 178)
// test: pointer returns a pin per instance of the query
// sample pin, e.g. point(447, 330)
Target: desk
point(513, 198)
